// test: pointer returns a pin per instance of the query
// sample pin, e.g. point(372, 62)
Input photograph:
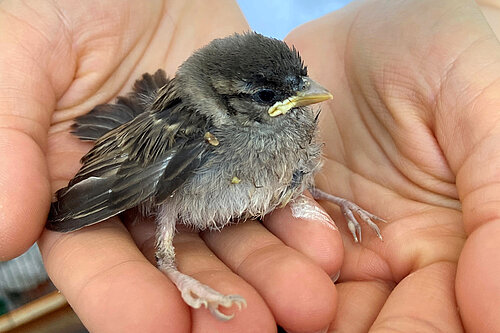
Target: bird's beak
point(312, 93)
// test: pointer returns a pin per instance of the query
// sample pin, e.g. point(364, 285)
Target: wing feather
point(144, 160)
point(105, 117)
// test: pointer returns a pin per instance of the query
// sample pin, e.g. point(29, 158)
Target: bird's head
point(247, 78)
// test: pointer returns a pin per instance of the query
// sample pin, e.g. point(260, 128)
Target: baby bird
point(229, 138)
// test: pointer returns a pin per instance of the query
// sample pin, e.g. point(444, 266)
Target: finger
point(359, 304)
point(194, 258)
point(109, 283)
point(27, 97)
point(310, 236)
point(424, 301)
point(143, 233)
point(300, 295)
point(25, 194)
point(480, 257)
point(473, 154)
point(478, 286)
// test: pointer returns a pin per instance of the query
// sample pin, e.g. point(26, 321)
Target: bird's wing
point(105, 117)
point(146, 159)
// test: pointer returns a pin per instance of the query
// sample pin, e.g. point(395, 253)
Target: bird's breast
point(248, 174)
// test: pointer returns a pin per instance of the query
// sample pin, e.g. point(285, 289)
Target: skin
point(413, 132)
point(411, 135)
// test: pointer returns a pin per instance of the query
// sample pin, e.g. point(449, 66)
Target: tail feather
point(105, 117)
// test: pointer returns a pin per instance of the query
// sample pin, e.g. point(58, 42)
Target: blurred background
point(28, 300)
point(276, 18)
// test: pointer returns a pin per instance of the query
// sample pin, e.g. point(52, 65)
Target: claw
point(371, 216)
point(227, 302)
point(352, 224)
point(241, 303)
point(347, 209)
point(352, 229)
point(219, 315)
point(368, 220)
point(193, 292)
point(193, 300)
point(196, 294)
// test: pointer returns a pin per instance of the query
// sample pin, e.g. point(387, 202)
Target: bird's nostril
point(304, 84)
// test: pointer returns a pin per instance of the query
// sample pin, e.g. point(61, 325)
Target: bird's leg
point(348, 209)
point(194, 293)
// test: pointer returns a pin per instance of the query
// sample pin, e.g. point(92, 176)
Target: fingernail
point(323, 330)
point(335, 277)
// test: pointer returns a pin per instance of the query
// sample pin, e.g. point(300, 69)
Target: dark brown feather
point(142, 161)
point(105, 117)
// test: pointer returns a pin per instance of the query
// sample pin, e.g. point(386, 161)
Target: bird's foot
point(196, 294)
point(348, 208)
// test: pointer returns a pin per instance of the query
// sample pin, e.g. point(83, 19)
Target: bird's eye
point(265, 96)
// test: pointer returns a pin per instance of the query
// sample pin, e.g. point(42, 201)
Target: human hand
point(412, 135)
point(58, 60)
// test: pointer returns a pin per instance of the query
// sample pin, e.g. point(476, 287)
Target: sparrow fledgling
point(230, 137)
